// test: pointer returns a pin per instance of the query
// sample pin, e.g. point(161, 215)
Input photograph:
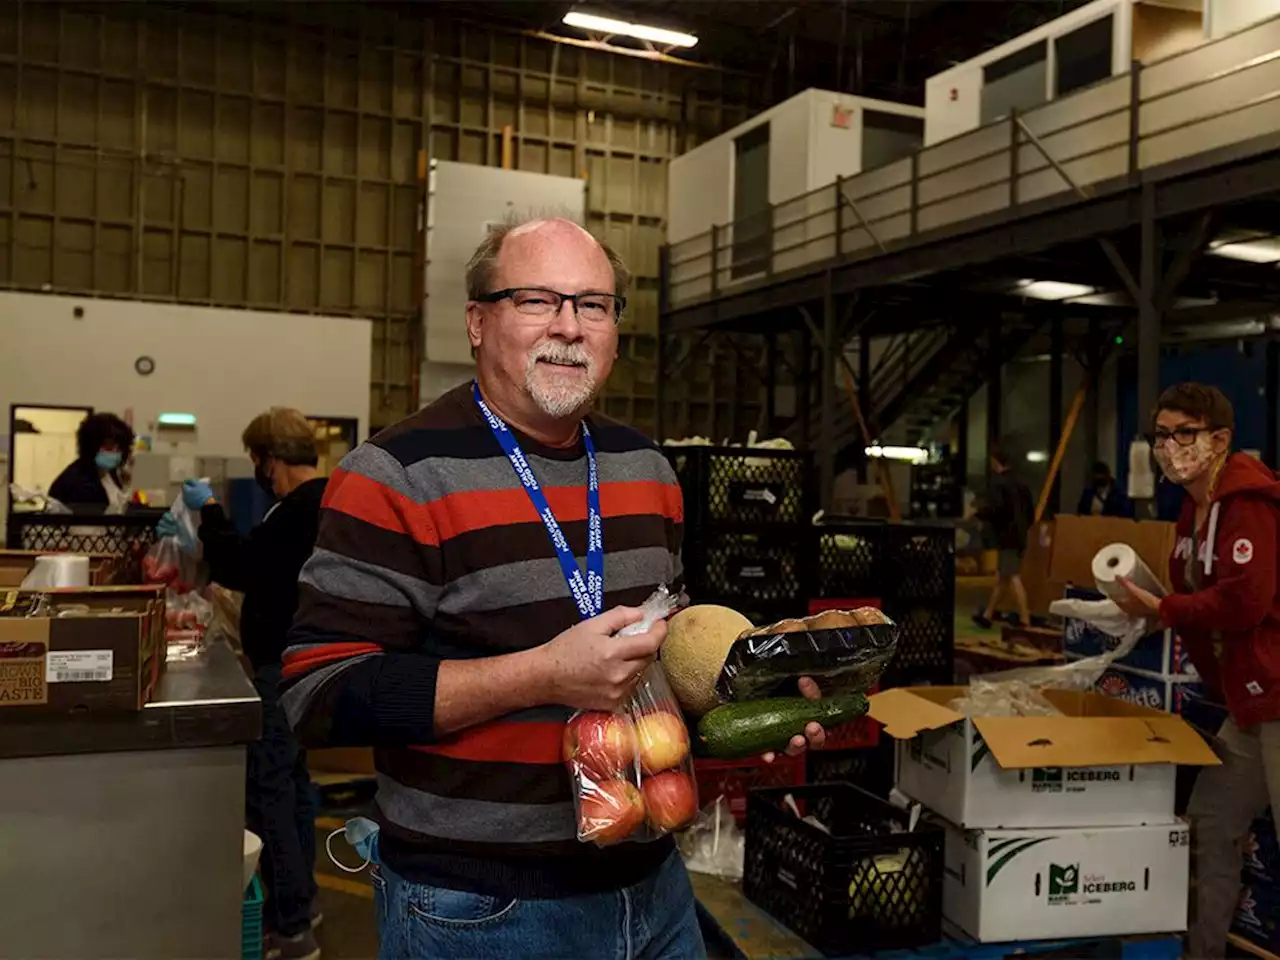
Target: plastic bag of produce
point(631, 769)
point(845, 651)
point(163, 562)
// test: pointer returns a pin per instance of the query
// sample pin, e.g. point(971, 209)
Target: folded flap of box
point(1018, 743)
point(906, 712)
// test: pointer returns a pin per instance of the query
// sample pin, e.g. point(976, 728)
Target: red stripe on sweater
point(378, 505)
point(311, 658)
point(504, 742)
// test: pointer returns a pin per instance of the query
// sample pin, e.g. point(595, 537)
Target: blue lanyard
point(588, 594)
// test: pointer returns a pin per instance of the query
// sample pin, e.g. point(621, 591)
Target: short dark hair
point(1199, 401)
point(1102, 467)
point(98, 428)
point(1000, 454)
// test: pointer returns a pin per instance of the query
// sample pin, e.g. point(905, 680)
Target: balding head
point(484, 262)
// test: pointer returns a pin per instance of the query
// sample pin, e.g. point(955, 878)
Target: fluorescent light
point(909, 454)
point(177, 419)
point(1051, 289)
point(1252, 251)
point(671, 38)
point(1037, 456)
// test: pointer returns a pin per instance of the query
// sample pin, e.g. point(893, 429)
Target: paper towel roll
point(58, 570)
point(1121, 560)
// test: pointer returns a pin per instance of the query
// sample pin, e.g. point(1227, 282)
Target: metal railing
point(1223, 92)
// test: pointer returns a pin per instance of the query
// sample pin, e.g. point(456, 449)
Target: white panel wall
point(464, 199)
point(700, 190)
point(947, 117)
point(1228, 16)
point(224, 366)
point(789, 148)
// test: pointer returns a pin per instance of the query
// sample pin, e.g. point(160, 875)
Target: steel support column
point(864, 390)
point(962, 444)
point(804, 378)
point(995, 389)
point(1148, 308)
point(827, 448)
point(1055, 406)
point(664, 285)
point(770, 383)
point(1092, 371)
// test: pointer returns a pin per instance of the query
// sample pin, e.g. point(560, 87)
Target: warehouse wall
point(1228, 16)
point(225, 366)
point(267, 156)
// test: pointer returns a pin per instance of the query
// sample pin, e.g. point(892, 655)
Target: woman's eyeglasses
point(1182, 436)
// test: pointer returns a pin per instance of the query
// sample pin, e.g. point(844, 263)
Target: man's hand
point(1139, 602)
point(814, 736)
point(589, 668)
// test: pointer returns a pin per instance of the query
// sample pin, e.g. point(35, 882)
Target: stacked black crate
point(911, 569)
point(747, 514)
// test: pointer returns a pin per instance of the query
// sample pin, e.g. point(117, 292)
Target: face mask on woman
point(1184, 465)
point(108, 459)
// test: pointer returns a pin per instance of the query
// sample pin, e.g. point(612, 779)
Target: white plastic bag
point(714, 844)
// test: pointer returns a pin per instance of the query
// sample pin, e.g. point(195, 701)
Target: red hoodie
point(1226, 606)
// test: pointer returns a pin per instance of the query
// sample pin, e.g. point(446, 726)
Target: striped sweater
point(430, 549)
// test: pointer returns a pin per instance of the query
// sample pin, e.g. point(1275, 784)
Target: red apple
point(670, 800)
point(609, 811)
point(602, 744)
point(662, 739)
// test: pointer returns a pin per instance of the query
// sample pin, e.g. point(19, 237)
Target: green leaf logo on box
point(1064, 881)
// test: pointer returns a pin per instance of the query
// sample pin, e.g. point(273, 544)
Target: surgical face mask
point(263, 479)
point(360, 833)
point(1184, 465)
point(108, 459)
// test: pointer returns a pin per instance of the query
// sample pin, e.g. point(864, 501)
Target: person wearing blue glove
point(265, 565)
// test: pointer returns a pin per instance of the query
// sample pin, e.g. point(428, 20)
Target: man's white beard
point(560, 400)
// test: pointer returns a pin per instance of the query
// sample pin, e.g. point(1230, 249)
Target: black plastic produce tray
point(827, 887)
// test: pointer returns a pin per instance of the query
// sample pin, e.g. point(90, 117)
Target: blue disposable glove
point(196, 493)
point(167, 527)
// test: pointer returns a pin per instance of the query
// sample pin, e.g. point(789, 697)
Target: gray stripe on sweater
point(532, 581)
point(351, 579)
point(477, 820)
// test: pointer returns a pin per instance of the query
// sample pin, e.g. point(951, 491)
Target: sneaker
point(316, 916)
point(301, 946)
point(983, 621)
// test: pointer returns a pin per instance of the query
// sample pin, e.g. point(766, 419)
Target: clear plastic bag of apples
point(631, 770)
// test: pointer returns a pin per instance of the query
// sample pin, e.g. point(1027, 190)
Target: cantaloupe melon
point(698, 640)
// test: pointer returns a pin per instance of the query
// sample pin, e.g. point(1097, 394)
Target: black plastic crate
point(926, 644)
point(128, 535)
point(889, 561)
point(869, 768)
point(921, 559)
point(731, 486)
point(850, 559)
point(860, 888)
point(751, 569)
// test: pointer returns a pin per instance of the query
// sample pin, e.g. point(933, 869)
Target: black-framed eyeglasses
point(1182, 436)
point(540, 302)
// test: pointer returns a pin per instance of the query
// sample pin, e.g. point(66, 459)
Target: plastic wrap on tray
point(631, 769)
point(845, 651)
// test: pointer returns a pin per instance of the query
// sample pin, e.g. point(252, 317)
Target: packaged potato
point(631, 769)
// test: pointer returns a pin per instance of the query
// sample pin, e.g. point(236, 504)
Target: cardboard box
point(1185, 696)
point(1046, 884)
point(1076, 540)
point(108, 658)
point(1161, 652)
point(1105, 763)
point(104, 568)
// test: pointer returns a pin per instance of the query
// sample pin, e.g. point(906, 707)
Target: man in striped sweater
point(449, 620)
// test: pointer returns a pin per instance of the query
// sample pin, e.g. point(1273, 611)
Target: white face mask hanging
point(360, 833)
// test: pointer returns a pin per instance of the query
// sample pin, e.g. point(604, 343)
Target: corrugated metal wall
point(223, 159)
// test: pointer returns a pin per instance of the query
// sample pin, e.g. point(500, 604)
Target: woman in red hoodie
point(1226, 609)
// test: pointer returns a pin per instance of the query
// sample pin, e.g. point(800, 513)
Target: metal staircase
point(924, 377)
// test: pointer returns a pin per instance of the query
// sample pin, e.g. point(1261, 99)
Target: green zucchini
point(736, 730)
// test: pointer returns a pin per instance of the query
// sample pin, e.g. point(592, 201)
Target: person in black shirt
point(1009, 511)
point(96, 478)
point(265, 565)
point(1102, 496)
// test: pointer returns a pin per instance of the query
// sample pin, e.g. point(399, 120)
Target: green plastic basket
point(251, 922)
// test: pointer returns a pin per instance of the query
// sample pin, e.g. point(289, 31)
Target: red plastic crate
point(821, 604)
point(733, 778)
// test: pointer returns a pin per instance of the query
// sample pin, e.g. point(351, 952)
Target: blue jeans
point(652, 920)
point(279, 808)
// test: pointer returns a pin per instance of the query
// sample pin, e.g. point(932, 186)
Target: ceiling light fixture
point(1252, 251)
point(670, 38)
point(907, 454)
point(1051, 289)
point(1037, 456)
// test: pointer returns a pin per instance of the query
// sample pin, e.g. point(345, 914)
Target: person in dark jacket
point(1102, 496)
point(265, 566)
point(1007, 508)
point(1225, 607)
point(96, 480)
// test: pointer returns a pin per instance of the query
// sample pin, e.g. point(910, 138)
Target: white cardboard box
point(1106, 762)
point(1043, 884)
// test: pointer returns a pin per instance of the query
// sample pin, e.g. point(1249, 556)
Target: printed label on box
point(78, 666)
